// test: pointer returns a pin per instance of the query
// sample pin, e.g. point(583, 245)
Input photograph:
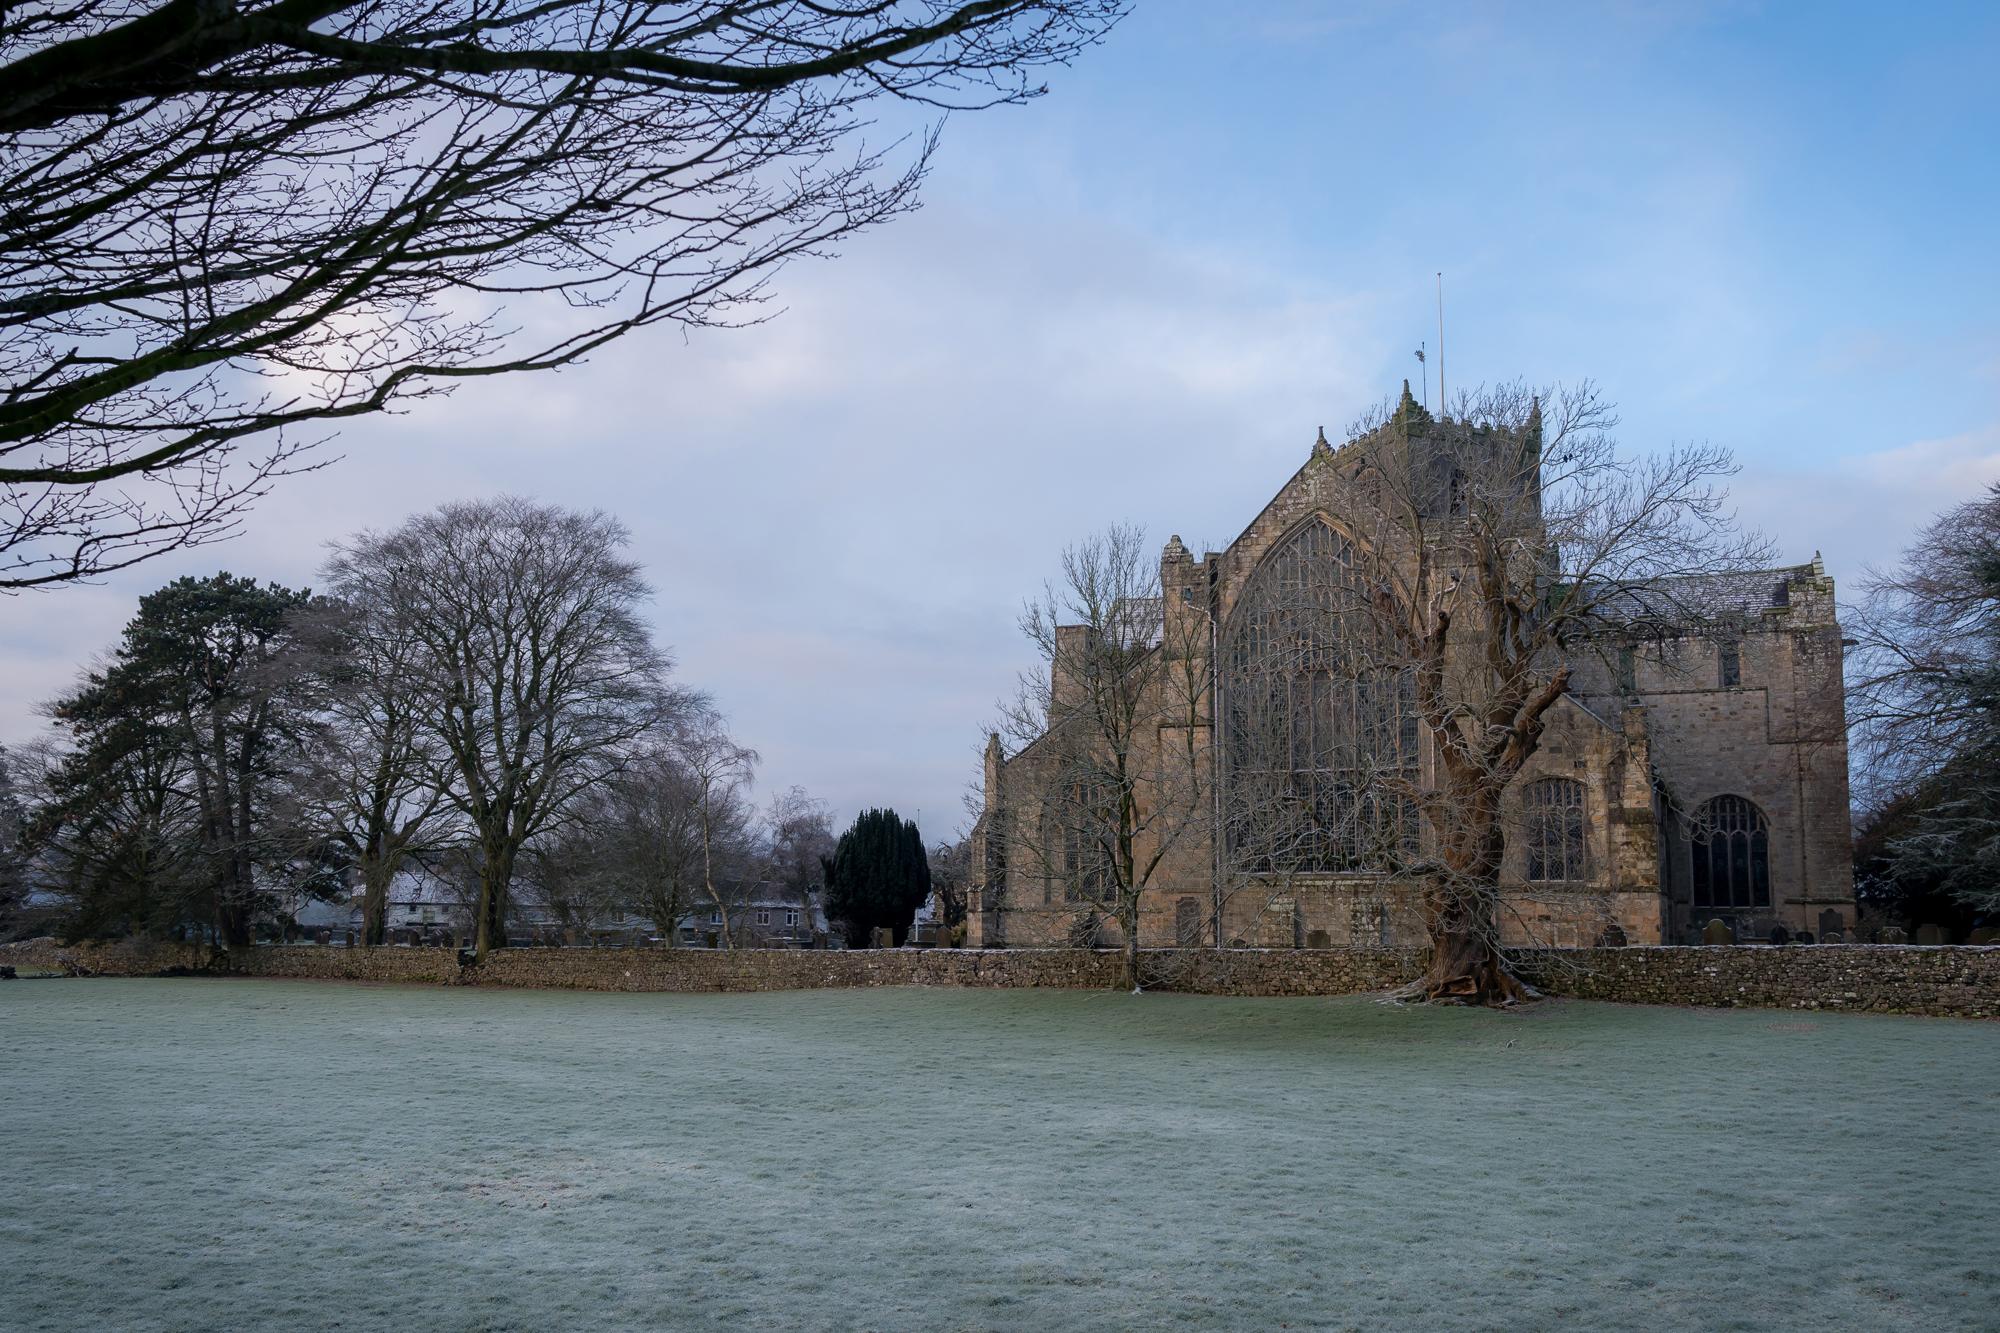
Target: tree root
point(1468, 974)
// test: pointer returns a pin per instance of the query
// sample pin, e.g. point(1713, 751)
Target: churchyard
point(198, 1154)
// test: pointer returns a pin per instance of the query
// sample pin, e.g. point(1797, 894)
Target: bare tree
point(798, 832)
point(1497, 551)
point(234, 223)
point(1922, 685)
point(1113, 730)
point(719, 772)
point(374, 777)
point(569, 867)
point(951, 879)
point(541, 676)
point(649, 838)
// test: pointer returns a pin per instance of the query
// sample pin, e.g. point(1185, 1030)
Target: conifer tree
point(878, 876)
point(182, 742)
point(13, 876)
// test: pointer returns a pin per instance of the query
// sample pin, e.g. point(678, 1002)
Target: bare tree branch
point(231, 223)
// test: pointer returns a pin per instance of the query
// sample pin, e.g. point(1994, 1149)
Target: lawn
point(203, 1154)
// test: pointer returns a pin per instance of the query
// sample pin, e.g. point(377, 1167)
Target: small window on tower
point(1187, 593)
point(1628, 670)
point(1732, 665)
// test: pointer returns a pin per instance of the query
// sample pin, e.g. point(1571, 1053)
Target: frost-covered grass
point(256, 1154)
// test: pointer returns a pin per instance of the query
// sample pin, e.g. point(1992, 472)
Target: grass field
point(254, 1154)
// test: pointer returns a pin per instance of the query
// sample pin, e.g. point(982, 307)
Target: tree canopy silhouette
point(231, 222)
point(878, 876)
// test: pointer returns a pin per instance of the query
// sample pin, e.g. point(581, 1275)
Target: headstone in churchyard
point(1833, 937)
point(1830, 924)
point(1611, 937)
point(1717, 932)
point(883, 938)
point(1803, 937)
point(1932, 934)
point(350, 939)
point(1779, 935)
point(1986, 935)
point(1895, 935)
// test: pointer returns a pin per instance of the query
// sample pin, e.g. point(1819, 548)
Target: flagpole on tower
point(1444, 403)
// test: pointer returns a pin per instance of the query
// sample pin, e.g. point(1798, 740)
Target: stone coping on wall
point(1954, 980)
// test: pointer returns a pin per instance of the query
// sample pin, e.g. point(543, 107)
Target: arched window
point(1319, 719)
point(1554, 816)
point(1730, 851)
point(1081, 823)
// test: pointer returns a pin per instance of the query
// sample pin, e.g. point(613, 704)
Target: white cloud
point(1862, 510)
point(842, 508)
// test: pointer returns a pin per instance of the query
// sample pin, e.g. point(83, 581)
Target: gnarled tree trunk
point(375, 905)
point(1461, 905)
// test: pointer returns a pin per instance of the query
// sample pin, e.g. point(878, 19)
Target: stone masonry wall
point(1902, 979)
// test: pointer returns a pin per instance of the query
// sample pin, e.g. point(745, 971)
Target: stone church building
point(1684, 778)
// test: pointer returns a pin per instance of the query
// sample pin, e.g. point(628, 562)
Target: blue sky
point(1770, 226)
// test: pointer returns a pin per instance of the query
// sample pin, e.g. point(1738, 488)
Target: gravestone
point(1318, 939)
point(1611, 937)
point(1932, 934)
point(1717, 932)
point(1833, 937)
point(1830, 924)
point(350, 939)
point(1803, 937)
point(1779, 935)
point(1985, 935)
point(882, 938)
point(1895, 935)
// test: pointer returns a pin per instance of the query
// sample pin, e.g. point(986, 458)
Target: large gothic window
point(1320, 725)
point(1077, 823)
point(1730, 846)
point(1554, 816)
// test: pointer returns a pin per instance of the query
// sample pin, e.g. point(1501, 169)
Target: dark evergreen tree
point(165, 809)
point(878, 875)
point(13, 863)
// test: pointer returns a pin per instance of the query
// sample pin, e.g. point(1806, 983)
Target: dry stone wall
point(1874, 978)
point(1901, 979)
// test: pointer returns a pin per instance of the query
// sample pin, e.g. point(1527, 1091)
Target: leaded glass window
point(1554, 816)
point(1730, 851)
point(1320, 719)
point(1083, 818)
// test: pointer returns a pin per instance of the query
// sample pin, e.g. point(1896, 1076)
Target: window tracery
point(1554, 817)
point(1730, 853)
point(1320, 721)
